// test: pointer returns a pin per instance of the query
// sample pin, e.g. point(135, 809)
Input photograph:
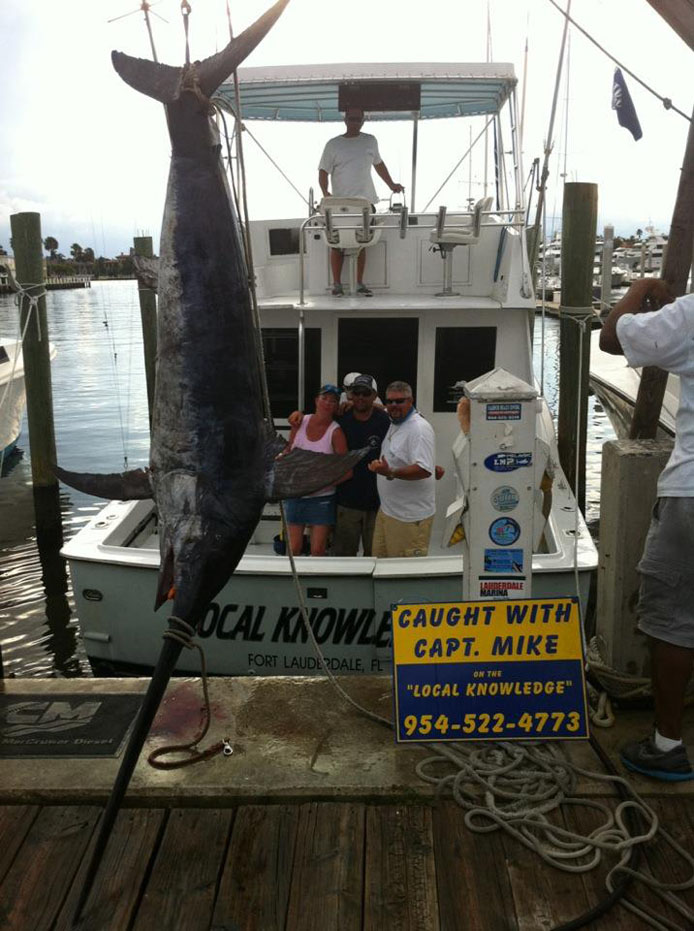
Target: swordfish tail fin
point(163, 81)
point(114, 486)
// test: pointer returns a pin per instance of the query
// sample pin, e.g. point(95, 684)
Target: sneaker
point(364, 291)
point(338, 290)
point(643, 756)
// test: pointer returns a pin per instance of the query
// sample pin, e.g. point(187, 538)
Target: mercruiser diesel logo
point(48, 717)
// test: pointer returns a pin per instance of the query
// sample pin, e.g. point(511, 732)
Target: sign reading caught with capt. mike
point(489, 670)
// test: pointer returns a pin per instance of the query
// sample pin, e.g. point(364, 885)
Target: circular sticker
point(504, 498)
point(504, 531)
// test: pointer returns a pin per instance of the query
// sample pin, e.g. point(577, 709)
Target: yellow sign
point(489, 670)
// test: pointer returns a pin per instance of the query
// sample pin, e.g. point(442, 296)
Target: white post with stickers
point(500, 464)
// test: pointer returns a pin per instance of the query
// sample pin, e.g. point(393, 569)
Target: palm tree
point(76, 251)
point(50, 244)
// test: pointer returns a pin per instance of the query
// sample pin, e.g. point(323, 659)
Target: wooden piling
point(579, 223)
point(28, 253)
point(675, 270)
point(148, 315)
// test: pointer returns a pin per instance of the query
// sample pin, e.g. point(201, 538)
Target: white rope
point(514, 787)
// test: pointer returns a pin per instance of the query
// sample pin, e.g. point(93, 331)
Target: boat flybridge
point(452, 310)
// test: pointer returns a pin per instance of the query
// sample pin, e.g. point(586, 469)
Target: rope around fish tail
point(185, 638)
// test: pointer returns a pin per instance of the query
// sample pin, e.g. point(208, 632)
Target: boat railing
point(361, 224)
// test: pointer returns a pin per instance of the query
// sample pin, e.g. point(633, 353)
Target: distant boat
point(616, 386)
point(12, 393)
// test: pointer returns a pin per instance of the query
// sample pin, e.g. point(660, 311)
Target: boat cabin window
point(281, 349)
point(284, 241)
point(380, 346)
point(462, 353)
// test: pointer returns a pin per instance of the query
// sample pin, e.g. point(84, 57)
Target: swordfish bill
point(214, 455)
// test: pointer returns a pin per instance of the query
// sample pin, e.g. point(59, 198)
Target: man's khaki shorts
point(401, 538)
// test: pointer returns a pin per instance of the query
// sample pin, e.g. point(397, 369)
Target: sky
point(91, 155)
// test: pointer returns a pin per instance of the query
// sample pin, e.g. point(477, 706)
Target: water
point(101, 421)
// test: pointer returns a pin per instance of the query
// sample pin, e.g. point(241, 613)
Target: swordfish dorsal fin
point(302, 472)
point(115, 486)
point(163, 82)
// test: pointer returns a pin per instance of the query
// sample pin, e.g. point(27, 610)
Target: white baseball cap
point(348, 380)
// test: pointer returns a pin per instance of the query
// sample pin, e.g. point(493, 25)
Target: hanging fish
point(214, 455)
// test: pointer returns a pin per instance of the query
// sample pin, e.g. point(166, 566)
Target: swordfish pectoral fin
point(115, 486)
point(302, 472)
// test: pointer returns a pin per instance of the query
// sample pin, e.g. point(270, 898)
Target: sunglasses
point(361, 392)
point(397, 400)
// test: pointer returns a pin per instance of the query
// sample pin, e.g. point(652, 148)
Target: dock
point(317, 820)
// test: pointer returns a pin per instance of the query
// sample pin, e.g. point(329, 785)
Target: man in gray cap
point(357, 499)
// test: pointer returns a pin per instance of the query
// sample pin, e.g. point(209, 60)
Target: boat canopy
point(321, 93)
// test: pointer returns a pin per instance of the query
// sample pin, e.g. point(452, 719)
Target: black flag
point(623, 104)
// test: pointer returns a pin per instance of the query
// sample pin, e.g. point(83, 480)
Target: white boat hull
point(253, 626)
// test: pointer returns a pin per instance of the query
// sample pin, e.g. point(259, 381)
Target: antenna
point(145, 8)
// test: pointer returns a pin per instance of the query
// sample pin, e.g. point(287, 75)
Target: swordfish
point(214, 454)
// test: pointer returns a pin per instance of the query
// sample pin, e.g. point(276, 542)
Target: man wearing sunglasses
point(406, 479)
point(347, 161)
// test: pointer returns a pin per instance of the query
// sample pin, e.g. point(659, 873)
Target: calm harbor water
point(100, 403)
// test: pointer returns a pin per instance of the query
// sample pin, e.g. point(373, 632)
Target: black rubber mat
point(61, 725)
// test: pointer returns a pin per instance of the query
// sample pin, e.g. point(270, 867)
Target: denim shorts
point(666, 597)
point(312, 511)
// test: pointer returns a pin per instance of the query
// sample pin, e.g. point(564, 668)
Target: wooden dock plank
point(474, 891)
point(254, 890)
point(665, 863)
point(35, 885)
point(182, 887)
point(400, 873)
point(543, 895)
point(327, 880)
point(15, 823)
point(116, 891)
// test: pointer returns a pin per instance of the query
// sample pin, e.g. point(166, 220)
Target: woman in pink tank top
point(320, 433)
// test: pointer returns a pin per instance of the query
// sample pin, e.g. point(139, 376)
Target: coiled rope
point(515, 788)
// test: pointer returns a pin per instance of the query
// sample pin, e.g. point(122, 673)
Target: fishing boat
point(452, 300)
point(12, 393)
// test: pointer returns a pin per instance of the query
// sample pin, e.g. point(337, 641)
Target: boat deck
point(291, 867)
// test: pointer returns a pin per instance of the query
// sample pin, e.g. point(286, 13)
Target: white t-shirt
point(665, 338)
point(348, 161)
point(411, 441)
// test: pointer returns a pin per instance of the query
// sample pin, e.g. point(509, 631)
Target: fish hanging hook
point(185, 13)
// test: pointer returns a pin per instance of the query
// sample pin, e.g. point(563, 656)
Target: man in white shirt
point(651, 328)
point(347, 161)
point(406, 479)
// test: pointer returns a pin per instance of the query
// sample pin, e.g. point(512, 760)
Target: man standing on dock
point(347, 161)
point(649, 327)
